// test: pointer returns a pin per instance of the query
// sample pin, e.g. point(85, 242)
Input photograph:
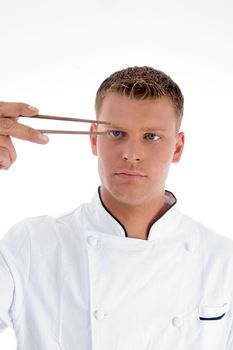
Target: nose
point(132, 152)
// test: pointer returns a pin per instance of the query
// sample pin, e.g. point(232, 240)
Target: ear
point(179, 148)
point(93, 139)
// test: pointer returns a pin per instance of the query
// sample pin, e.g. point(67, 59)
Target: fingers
point(7, 153)
point(10, 127)
point(9, 113)
point(14, 109)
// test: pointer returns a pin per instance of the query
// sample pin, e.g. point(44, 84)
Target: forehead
point(121, 111)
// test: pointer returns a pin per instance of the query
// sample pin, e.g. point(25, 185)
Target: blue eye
point(152, 137)
point(115, 133)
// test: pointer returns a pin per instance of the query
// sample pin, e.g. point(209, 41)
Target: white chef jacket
point(77, 282)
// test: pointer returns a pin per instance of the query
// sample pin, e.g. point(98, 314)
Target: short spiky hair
point(142, 83)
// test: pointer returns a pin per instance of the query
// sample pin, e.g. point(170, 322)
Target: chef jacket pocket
point(212, 313)
point(205, 327)
point(213, 321)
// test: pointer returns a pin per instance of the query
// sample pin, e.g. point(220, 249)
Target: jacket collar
point(102, 220)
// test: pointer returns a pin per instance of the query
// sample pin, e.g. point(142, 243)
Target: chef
point(127, 271)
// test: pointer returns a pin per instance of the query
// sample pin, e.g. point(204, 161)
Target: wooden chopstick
point(41, 116)
point(72, 132)
point(50, 117)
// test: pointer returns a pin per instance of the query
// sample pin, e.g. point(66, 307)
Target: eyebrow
point(146, 129)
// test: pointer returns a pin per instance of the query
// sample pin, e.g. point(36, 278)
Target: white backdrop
point(54, 55)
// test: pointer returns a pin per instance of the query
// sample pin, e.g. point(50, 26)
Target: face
point(135, 154)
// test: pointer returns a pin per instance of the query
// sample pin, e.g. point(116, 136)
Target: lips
point(130, 173)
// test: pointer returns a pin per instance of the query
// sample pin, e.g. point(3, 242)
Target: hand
point(9, 127)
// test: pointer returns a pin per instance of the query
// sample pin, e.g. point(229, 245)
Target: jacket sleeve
point(14, 270)
point(6, 294)
point(229, 345)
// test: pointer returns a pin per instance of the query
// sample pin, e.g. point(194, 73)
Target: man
point(128, 270)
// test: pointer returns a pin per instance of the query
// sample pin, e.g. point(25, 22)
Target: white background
point(55, 54)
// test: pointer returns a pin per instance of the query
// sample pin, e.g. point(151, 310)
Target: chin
point(130, 197)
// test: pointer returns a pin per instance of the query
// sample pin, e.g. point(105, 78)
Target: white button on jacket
point(79, 283)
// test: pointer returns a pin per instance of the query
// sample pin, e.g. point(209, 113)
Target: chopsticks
point(41, 116)
point(71, 132)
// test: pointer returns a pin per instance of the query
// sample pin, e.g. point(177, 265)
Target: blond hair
point(141, 83)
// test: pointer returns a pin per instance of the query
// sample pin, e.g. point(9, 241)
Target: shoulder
point(39, 231)
point(216, 252)
point(212, 241)
point(214, 256)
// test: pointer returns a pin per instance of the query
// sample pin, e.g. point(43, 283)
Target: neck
point(136, 219)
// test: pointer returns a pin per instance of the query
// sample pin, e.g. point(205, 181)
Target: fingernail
point(34, 109)
point(43, 137)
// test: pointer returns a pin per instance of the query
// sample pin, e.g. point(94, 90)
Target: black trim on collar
point(148, 231)
point(126, 234)
point(168, 208)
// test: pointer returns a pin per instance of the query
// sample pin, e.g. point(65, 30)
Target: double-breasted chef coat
point(78, 282)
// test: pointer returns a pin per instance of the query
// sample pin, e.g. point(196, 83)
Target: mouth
point(130, 174)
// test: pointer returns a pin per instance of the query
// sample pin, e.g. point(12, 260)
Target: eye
point(115, 133)
point(152, 137)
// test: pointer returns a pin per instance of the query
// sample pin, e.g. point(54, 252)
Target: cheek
point(106, 149)
point(161, 156)
point(105, 157)
point(158, 163)
point(102, 149)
